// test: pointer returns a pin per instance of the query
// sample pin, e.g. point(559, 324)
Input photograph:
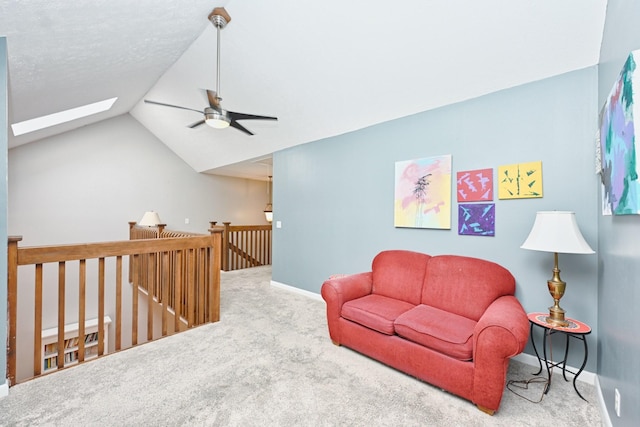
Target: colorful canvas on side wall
point(520, 181)
point(423, 193)
point(475, 185)
point(620, 186)
point(477, 219)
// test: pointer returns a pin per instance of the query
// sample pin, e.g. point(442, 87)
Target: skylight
point(61, 117)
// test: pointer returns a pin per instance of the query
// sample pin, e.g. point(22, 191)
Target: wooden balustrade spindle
point(118, 343)
point(82, 284)
point(37, 323)
point(100, 306)
point(61, 308)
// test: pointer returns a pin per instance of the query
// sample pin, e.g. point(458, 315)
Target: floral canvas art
point(423, 193)
point(619, 156)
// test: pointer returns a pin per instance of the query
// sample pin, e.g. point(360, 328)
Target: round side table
point(575, 329)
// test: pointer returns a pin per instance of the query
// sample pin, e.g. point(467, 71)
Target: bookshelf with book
point(71, 341)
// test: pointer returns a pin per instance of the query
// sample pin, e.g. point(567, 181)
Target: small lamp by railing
point(268, 211)
point(557, 232)
point(150, 219)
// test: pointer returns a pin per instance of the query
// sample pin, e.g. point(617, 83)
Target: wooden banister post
point(132, 224)
point(160, 230)
point(12, 305)
point(215, 265)
point(225, 246)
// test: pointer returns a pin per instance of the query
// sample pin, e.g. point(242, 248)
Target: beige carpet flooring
point(268, 362)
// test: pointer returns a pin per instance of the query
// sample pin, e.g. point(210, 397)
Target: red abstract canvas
point(475, 185)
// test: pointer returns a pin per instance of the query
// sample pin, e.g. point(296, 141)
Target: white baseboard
point(296, 290)
point(604, 414)
point(4, 389)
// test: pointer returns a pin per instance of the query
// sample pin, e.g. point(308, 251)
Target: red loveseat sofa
point(449, 320)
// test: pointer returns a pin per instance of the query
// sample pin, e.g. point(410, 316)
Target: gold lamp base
point(556, 289)
point(556, 318)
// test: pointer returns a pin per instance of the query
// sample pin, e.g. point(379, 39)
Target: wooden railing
point(245, 246)
point(147, 275)
point(184, 262)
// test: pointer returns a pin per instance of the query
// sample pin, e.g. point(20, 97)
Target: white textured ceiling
point(323, 68)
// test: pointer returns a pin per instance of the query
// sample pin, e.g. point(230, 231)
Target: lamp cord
point(524, 384)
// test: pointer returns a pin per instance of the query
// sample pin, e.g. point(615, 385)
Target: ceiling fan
point(214, 115)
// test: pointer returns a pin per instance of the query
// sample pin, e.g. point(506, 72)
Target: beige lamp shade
point(556, 231)
point(150, 219)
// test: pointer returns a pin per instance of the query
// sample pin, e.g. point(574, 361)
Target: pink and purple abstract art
point(423, 193)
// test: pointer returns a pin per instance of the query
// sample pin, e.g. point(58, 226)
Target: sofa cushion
point(399, 274)
point(437, 329)
point(465, 285)
point(376, 312)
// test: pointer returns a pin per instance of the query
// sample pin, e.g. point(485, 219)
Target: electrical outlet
point(186, 220)
point(617, 402)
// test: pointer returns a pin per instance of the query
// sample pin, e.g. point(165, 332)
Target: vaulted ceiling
point(323, 68)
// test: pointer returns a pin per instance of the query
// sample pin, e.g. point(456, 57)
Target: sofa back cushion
point(465, 286)
point(399, 274)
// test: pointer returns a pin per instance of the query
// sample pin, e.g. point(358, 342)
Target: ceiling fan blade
point(242, 116)
point(238, 126)
point(171, 105)
point(196, 124)
point(214, 101)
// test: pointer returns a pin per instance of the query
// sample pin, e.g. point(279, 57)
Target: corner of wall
point(4, 132)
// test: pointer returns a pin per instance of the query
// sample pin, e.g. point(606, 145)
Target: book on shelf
point(71, 343)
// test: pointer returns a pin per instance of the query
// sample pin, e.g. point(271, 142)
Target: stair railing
point(189, 272)
point(245, 246)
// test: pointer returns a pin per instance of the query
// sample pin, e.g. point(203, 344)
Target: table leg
point(584, 363)
point(566, 353)
point(533, 343)
point(547, 386)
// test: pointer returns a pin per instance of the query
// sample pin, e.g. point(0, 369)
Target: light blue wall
point(334, 197)
point(619, 248)
point(3, 209)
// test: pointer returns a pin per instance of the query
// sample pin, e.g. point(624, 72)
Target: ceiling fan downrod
point(219, 18)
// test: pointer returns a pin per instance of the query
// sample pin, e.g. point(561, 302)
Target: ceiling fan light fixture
point(214, 115)
point(216, 119)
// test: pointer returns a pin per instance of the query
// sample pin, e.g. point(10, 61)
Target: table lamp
point(557, 232)
point(150, 219)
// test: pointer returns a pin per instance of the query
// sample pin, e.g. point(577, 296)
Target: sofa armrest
point(503, 315)
point(501, 333)
point(336, 292)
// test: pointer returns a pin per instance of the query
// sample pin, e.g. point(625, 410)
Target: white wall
point(85, 185)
